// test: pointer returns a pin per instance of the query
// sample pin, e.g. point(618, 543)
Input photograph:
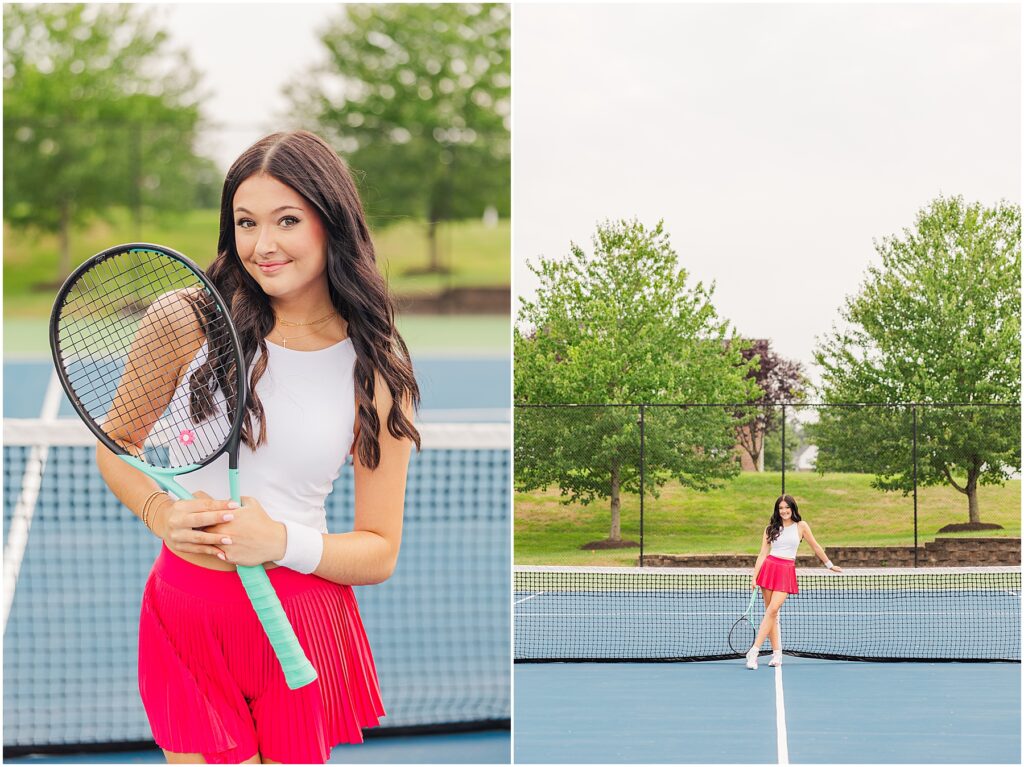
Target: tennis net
point(670, 614)
point(75, 563)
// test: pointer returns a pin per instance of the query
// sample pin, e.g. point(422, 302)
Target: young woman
point(775, 572)
point(329, 376)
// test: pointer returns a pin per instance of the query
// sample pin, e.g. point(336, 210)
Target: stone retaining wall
point(942, 552)
point(487, 300)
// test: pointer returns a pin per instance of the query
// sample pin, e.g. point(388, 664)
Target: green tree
point(97, 113)
point(623, 326)
point(424, 110)
point(938, 321)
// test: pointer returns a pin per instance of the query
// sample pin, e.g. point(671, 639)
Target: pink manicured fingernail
point(233, 505)
point(228, 517)
point(225, 541)
point(221, 556)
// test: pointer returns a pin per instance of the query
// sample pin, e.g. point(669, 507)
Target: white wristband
point(828, 564)
point(303, 548)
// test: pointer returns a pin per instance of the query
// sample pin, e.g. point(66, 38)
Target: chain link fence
point(903, 484)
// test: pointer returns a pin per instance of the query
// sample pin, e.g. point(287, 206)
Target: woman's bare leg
point(766, 597)
point(775, 637)
point(770, 623)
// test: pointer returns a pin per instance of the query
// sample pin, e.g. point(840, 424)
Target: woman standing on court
point(329, 376)
point(775, 572)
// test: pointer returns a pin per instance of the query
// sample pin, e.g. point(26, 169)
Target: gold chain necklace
point(285, 340)
point(302, 324)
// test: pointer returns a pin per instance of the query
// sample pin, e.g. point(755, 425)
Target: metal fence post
point(642, 488)
point(915, 483)
point(783, 448)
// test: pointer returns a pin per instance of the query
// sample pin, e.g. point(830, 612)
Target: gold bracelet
point(150, 513)
point(145, 510)
point(146, 507)
point(150, 518)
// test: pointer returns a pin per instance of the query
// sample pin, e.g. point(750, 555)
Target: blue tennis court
point(878, 667)
point(719, 712)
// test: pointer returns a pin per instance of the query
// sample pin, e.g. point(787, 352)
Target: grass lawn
point(476, 255)
point(842, 509)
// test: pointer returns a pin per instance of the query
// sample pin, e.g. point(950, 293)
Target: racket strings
point(108, 291)
point(218, 371)
point(108, 300)
point(741, 635)
point(95, 378)
point(100, 341)
point(126, 407)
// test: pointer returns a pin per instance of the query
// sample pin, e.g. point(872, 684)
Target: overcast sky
point(248, 54)
point(775, 140)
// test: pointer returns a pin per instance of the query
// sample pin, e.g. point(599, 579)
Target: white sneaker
point(752, 658)
point(776, 659)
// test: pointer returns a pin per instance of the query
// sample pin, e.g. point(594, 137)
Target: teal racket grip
point(750, 604)
point(298, 671)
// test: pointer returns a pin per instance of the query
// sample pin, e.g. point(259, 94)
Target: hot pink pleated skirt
point(778, 574)
point(210, 682)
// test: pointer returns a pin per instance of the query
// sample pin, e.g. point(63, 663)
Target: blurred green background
point(108, 128)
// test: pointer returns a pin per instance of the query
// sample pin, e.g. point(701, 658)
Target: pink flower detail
point(186, 437)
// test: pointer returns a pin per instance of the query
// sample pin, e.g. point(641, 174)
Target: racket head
point(127, 327)
point(741, 636)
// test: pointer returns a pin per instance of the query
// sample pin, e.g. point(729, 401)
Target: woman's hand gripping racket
point(125, 328)
point(741, 635)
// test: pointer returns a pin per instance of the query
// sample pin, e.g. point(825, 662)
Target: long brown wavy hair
point(307, 163)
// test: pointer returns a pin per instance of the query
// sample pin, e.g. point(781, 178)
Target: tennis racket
point(742, 635)
point(125, 328)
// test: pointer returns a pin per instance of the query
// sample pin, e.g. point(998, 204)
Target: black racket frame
point(234, 433)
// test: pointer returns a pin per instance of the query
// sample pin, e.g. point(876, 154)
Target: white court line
point(25, 508)
point(527, 599)
point(780, 718)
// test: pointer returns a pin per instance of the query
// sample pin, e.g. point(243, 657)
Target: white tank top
point(786, 544)
point(309, 401)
